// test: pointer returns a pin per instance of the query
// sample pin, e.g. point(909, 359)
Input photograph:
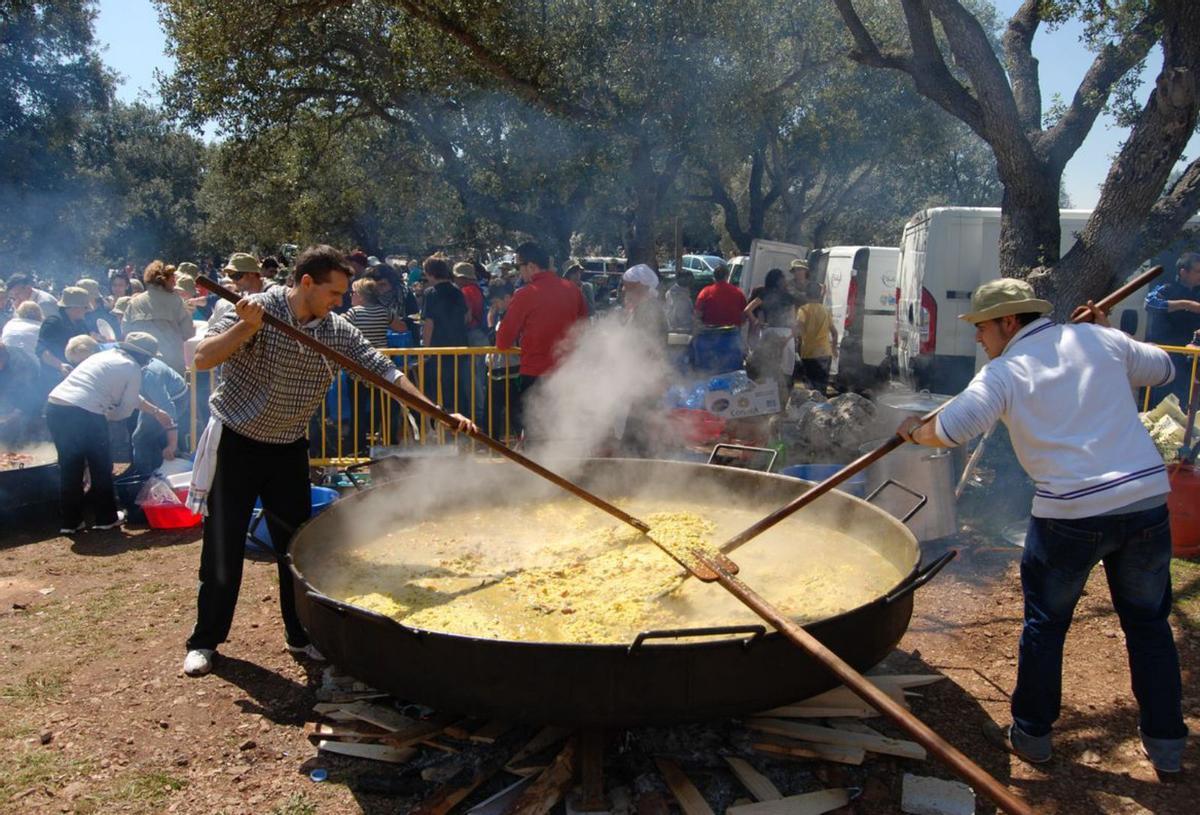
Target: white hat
point(641, 273)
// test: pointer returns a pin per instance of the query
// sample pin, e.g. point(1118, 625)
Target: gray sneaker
point(1165, 754)
point(1031, 749)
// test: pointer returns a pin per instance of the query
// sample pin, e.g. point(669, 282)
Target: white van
point(764, 256)
point(944, 254)
point(860, 292)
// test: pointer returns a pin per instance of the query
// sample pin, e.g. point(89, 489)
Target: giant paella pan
point(480, 590)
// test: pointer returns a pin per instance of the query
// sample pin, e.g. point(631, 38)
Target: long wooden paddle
point(1080, 314)
point(432, 410)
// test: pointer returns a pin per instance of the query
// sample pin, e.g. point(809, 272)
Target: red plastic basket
point(697, 426)
point(171, 516)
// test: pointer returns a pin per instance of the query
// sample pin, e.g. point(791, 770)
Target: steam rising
point(611, 369)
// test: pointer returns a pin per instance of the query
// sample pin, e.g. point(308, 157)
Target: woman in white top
point(22, 331)
point(160, 312)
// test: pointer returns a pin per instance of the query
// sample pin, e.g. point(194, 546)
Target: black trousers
point(81, 438)
point(246, 470)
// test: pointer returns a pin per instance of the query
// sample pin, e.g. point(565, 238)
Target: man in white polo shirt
point(1065, 394)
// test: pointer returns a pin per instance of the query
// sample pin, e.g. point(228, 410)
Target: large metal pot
point(656, 678)
point(31, 482)
point(930, 471)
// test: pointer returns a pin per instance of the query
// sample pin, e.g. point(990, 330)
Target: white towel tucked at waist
point(204, 467)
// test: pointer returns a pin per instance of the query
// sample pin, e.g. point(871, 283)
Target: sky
point(134, 45)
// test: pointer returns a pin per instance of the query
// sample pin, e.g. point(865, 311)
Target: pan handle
point(923, 576)
point(755, 631)
point(922, 500)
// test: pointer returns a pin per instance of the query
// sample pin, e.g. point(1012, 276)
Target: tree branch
point(1022, 66)
point(1062, 141)
point(482, 55)
point(925, 64)
point(973, 51)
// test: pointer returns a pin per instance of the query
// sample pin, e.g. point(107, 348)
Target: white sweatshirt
point(1063, 392)
point(107, 383)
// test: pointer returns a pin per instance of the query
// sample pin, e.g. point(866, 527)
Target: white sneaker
point(120, 520)
point(198, 662)
point(309, 651)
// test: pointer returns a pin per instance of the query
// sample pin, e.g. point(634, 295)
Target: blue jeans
point(1059, 556)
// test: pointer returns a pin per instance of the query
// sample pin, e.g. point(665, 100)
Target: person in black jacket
point(1173, 318)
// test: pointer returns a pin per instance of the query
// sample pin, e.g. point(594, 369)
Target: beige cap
point(188, 268)
point(141, 341)
point(121, 304)
point(90, 286)
point(464, 269)
point(1004, 296)
point(74, 297)
point(242, 263)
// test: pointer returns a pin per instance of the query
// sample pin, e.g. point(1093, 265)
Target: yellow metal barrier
point(1176, 351)
point(481, 383)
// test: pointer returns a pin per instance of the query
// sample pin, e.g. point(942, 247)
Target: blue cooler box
point(258, 537)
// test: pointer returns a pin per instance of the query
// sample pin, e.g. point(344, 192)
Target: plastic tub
point(856, 485)
point(171, 516)
point(258, 537)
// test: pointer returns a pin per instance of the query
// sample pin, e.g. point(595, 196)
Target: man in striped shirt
point(269, 388)
point(1064, 393)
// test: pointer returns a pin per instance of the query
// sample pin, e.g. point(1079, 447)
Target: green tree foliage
point(574, 121)
point(141, 175)
point(51, 81)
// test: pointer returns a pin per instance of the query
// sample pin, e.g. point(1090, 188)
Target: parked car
point(702, 266)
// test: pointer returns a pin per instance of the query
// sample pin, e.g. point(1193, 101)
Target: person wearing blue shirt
point(1173, 317)
point(165, 388)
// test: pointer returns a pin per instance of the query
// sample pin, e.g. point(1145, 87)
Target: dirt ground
point(96, 715)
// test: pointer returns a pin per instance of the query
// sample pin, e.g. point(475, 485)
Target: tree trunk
point(642, 212)
point(1030, 234)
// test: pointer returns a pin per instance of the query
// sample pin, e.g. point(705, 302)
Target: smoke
point(605, 392)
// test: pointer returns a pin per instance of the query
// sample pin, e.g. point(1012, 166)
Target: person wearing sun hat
point(1064, 392)
point(57, 329)
point(163, 387)
point(101, 321)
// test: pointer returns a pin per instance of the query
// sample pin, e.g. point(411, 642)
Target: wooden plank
point(805, 711)
point(447, 796)
point(807, 750)
point(844, 697)
point(905, 681)
point(854, 727)
point(376, 752)
point(316, 731)
point(685, 792)
point(545, 738)
point(591, 772)
point(379, 715)
point(501, 800)
point(755, 782)
point(548, 788)
point(809, 803)
point(490, 732)
point(828, 735)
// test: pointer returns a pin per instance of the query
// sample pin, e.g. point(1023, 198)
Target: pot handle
point(755, 631)
point(922, 577)
point(891, 482)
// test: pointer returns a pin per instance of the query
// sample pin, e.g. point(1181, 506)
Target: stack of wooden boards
point(361, 723)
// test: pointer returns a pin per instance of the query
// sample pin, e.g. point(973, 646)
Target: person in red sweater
point(720, 303)
point(539, 318)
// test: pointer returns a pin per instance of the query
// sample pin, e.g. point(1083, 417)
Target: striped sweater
point(1064, 393)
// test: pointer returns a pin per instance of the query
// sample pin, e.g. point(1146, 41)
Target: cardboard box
point(761, 400)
